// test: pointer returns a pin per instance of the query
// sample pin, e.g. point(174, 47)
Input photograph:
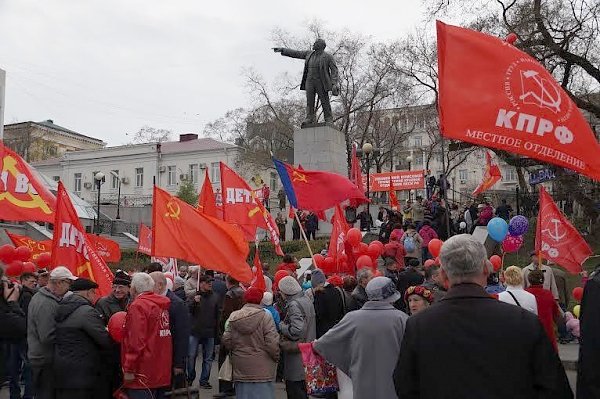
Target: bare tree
point(148, 134)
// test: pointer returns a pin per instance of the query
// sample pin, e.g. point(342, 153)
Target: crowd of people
point(381, 328)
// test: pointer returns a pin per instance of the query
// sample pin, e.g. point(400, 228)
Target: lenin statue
point(319, 78)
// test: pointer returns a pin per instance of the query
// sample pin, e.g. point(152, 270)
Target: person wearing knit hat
point(267, 303)
point(253, 343)
point(418, 298)
point(298, 325)
point(376, 331)
point(317, 278)
point(118, 299)
point(329, 302)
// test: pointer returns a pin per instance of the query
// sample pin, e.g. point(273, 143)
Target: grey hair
point(363, 274)
point(463, 258)
point(142, 282)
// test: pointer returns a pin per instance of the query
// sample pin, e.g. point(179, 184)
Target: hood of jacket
point(69, 305)
point(161, 301)
point(247, 319)
point(44, 291)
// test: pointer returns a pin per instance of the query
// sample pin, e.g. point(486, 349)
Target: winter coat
point(205, 315)
point(548, 311)
point(275, 314)
point(471, 328)
point(234, 300)
point(13, 323)
point(417, 239)
point(395, 249)
point(365, 345)
point(109, 305)
point(180, 292)
point(588, 372)
point(549, 281)
point(25, 298)
point(329, 308)
point(427, 234)
point(179, 319)
point(289, 267)
point(81, 345)
point(253, 342)
point(572, 325)
point(190, 287)
point(360, 296)
point(147, 347)
point(299, 325)
point(41, 327)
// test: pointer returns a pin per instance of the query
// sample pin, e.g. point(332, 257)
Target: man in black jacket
point(588, 372)
point(81, 339)
point(118, 299)
point(328, 302)
point(205, 310)
point(477, 338)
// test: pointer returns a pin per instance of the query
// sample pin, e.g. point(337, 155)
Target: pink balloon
point(512, 243)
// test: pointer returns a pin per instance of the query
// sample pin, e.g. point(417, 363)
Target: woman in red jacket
point(548, 310)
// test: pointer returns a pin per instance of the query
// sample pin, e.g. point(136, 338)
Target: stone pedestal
point(321, 147)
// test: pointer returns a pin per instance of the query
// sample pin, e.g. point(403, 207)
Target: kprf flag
point(315, 190)
point(72, 248)
point(259, 278)
point(494, 95)
point(207, 202)
point(37, 247)
point(180, 231)
point(394, 204)
point(108, 249)
point(490, 177)
point(556, 238)
point(338, 234)
point(145, 240)
point(23, 197)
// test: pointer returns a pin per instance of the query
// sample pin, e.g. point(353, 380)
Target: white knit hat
point(289, 286)
point(267, 299)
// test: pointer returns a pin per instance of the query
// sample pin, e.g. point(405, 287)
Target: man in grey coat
point(375, 333)
point(41, 329)
point(320, 76)
point(299, 325)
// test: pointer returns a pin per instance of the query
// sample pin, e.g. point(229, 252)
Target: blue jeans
point(18, 363)
point(208, 347)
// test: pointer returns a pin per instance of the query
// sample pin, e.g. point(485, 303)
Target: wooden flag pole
point(312, 257)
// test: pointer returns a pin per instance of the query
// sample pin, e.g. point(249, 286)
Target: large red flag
point(491, 176)
point(239, 207)
point(23, 197)
point(494, 95)
point(145, 240)
point(271, 226)
point(72, 248)
point(394, 204)
point(207, 202)
point(180, 231)
point(259, 278)
point(557, 239)
point(37, 247)
point(315, 190)
point(338, 234)
point(108, 249)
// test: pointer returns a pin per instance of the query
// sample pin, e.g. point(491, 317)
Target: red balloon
point(511, 38)
point(496, 262)
point(328, 265)
point(318, 259)
point(429, 263)
point(378, 243)
point(43, 260)
point(23, 253)
point(343, 257)
point(28, 267)
point(7, 253)
point(363, 248)
point(14, 269)
point(374, 250)
point(364, 261)
point(578, 293)
point(116, 326)
point(435, 246)
point(354, 236)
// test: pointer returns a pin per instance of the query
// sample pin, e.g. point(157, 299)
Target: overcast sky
point(107, 67)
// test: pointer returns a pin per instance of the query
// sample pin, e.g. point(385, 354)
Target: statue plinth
point(320, 147)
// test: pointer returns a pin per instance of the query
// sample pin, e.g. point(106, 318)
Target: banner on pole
point(402, 180)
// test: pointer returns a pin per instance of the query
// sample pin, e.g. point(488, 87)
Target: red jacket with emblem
point(146, 349)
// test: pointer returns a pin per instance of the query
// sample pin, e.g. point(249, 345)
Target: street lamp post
point(99, 178)
point(118, 194)
point(409, 159)
point(367, 149)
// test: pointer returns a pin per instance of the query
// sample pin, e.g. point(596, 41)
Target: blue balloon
point(518, 225)
point(497, 229)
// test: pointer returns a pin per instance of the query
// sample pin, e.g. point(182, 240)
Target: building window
point(418, 160)
point(56, 178)
point(77, 186)
point(139, 177)
point(171, 175)
point(114, 179)
point(215, 172)
point(273, 181)
point(463, 174)
point(510, 174)
point(418, 141)
point(194, 173)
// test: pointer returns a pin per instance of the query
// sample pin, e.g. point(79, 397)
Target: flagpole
point(312, 257)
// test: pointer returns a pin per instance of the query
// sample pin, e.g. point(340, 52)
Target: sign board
point(404, 180)
point(540, 176)
point(2, 86)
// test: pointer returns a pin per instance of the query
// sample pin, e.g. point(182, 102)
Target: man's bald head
point(160, 282)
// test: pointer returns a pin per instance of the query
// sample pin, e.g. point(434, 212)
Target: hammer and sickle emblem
point(548, 95)
point(297, 176)
point(36, 201)
point(86, 267)
point(255, 210)
point(173, 210)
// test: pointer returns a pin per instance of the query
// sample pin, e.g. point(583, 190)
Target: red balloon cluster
point(578, 293)
point(7, 253)
point(23, 253)
point(43, 260)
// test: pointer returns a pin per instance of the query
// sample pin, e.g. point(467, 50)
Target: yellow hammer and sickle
point(174, 210)
point(297, 176)
point(87, 266)
point(36, 201)
point(253, 211)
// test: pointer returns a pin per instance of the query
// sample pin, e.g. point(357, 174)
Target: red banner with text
point(403, 180)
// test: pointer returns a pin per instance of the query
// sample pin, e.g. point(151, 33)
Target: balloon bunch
point(19, 260)
point(578, 296)
point(365, 254)
point(509, 234)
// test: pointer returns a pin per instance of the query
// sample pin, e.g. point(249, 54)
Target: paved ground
point(568, 353)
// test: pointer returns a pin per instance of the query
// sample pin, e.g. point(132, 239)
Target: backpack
point(409, 243)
